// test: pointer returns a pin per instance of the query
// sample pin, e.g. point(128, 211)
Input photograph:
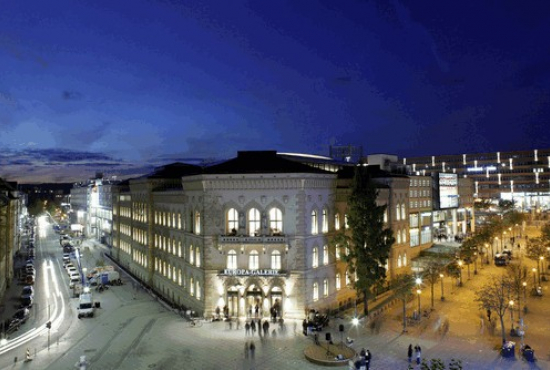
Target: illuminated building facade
point(521, 176)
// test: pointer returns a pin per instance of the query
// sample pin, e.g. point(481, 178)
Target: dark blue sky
point(112, 86)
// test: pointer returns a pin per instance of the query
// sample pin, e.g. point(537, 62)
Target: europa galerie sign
point(245, 272)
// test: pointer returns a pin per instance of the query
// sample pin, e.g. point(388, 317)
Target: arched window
point(325, 255)
point(405, 259)
point(314, 223)
point(337, 252)
point(348, 279)
point(198, 290)
point(325, 288)
point(324, 227)
point(314, 257)
point(404, 236)
point(338, 281)
point(192, 287)
point(398, 236)
point(254, 260)
point(197, 222)
point(386, 216)
point(337, 221)
point(198, 257)
point(403, 211)
point(315, 291)
point(254, 222)
point(399, 261)
point(346, 223)
point(191, 255)
point(276, 260)
point(232, 259)
point(232, 221)
point(397, 212)
point(276, 220)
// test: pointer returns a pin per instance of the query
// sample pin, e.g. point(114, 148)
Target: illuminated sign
point(448, 190)
point(245, 272)
point(480, 169)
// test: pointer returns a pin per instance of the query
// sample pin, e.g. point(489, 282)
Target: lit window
point(403, 211)
point(276, 260)
point(232, 259)
point(254, 220)
point(346, 223)
point(398, 236)
point(325, 221)
point(397, 212)
point(198, 290)
point(314, 226)
point(404, 236)
point(276, 220)
point(337, 221)
point(338, 282)
point(314, 258)
point(254, 260)
point(348, 280)
point(325, 288)
point(197, 222)
point(232, 221)
point(191, 255)
point(198, 257)
point(337, 252)
point(399, 262)
point(386, 216)
point(405, 259)
point(315, 291)
point(192, 287)
point(325, 255)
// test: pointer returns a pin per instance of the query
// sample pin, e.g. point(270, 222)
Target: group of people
point(417, 352)
point(363, 363)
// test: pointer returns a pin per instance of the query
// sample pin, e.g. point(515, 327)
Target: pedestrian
point(418, 354)
point(489, 314)
point(304, 326)
point(363, 353)
point(253, 327)
point(368, 358)
point(410, 353)
point(252, 350)
point(266, 327)
point(246, 348)
point(247, 328)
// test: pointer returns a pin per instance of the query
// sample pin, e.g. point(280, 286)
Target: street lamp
point(441, 277)
point(475, 263)
point(460, 263)
point(512, 313)
point(542, 268)
point(538, 262)
point(418, 291)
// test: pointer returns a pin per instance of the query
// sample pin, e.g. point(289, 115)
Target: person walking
point(252, 350)
point(253, 327)
point(246, 348)
point(247, 328)
point(418, 351)
point(368, 358)
point(266, 327)
point(410, 353)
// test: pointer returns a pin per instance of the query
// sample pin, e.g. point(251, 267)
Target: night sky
point(120, 86)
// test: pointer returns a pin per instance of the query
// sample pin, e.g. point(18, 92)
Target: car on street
point(27, 302)
point(27, 291)
point(66, 257)
point(72, 270)
point(21, 315)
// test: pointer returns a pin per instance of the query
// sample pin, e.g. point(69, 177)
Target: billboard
point(448, 190)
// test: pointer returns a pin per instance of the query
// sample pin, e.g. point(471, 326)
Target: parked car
point(27, 302)
point(66, 257)
point(27, 291)
point(21, 315)
point(29, 279)
point(72, 270)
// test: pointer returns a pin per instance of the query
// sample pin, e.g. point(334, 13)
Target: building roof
point(174, 170)
point(250, 162)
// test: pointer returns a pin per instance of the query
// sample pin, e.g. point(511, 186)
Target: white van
point(74, 279)
point(85, 305)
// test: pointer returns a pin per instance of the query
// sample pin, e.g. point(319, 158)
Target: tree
point(432, 269)
point(370, 241)
point(518, 275)
point(402, 288)
point(495, 296)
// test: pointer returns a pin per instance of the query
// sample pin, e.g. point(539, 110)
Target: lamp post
point(418, 291)
point(512, 314)
point(538, 265)
point(534, 277)
point(441, 277)
point(460, 263)
point(542, 269)
point(475, 263)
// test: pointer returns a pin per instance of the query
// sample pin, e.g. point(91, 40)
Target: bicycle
point(196, 322)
